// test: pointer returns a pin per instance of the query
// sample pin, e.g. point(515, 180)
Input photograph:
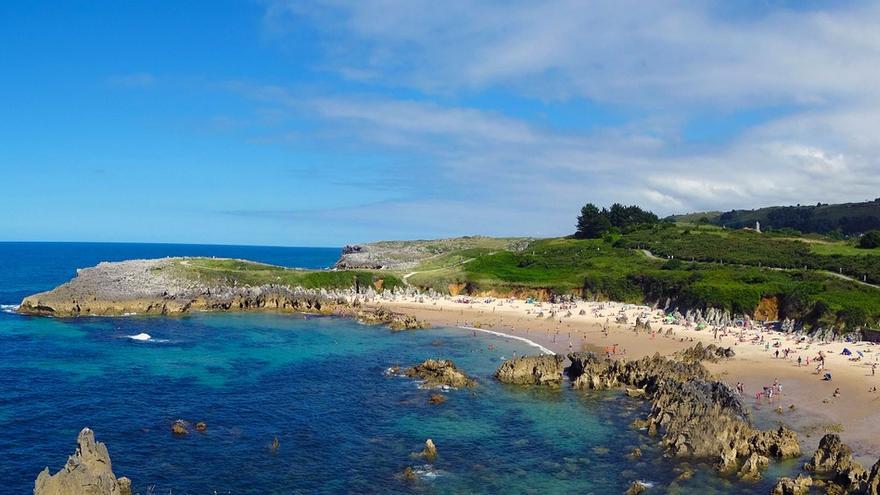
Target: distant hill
point(849, 218)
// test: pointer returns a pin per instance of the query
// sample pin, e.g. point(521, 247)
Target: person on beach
point(799, 361)
point(874, 369)
point(836, 393)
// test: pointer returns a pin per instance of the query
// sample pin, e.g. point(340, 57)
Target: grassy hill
point(847, 218)
point(692, 266)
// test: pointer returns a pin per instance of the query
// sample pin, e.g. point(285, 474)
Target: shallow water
point(318, 385)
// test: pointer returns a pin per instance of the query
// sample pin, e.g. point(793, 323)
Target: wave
point(8, 308)
point(143, 337)
point(514, 337)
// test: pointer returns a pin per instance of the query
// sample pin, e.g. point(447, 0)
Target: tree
point(870, 240)
point(591, 223)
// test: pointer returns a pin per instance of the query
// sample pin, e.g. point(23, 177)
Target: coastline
point(854, 414)
point(531, 343)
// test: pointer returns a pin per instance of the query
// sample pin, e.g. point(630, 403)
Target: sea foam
point(9, 308)
point(514, 337)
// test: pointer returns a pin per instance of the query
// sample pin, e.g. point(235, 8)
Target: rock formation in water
point(395, 321)
point(440, 373)
point(832, 467)
point(87, 472)
point(696, 416)
point(834, 460)
point(532, 370)
point(788, 486)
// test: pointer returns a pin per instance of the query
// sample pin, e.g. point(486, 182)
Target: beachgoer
point(836, 392)
point(799, 361)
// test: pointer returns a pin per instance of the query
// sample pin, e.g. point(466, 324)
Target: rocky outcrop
point(87, 472)
point(395, 321)
point(832, 467)
point(165, 286)
point(798, 486)
point(834, 459)
point(872, 486)
point(406, 255)
point(752, 467)
point(440, 373)
point(532, 370)
point(700, 353)
point(636, 488)
point(696, 416)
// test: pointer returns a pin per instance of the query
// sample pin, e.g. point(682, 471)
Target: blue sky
point(322, 123)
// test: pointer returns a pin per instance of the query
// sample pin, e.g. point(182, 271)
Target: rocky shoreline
point(696, 417)
point(145, 287)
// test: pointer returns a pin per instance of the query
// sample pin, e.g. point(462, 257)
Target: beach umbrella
point(860, 353)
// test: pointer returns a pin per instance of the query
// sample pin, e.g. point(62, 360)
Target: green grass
point(606, 270)
point(229, 272)
point(841, 248)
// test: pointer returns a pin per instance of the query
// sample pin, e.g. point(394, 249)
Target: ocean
point(317, 384)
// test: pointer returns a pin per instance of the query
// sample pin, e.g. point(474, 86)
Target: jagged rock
point(201, 426)
point(788, 486)
point(179, 427)
point(636, 487)
point(87, 472)
point(395, 321)
point(727, 461)
point(437, 399)
point(439, 373)
point(752, 467)
point(710, 353)
point(697, 416)
point(635, 453)
point(872, 486)
point(430, 450)
point(834, 458)
point(409, 474)
point(531, 370)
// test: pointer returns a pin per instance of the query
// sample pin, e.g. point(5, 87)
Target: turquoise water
point(319, 385)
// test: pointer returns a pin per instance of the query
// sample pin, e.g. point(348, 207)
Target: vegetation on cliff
point(843, 219)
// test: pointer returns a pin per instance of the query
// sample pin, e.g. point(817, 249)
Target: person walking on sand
point(874, 369)
point(799, 361)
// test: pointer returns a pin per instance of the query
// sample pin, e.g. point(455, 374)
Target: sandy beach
point(580, 326)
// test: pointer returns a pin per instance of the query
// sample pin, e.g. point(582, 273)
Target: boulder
point(440, 373)
point(787, 486)
point(636, 487)
point(201, 426)
point(436, 399)
point(87, 472)
point(179, 427)
point(543, 369)
point(430, 450)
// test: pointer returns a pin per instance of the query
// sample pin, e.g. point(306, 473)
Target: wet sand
point(856, 411)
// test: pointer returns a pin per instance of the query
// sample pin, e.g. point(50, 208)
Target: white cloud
point(671, 62)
